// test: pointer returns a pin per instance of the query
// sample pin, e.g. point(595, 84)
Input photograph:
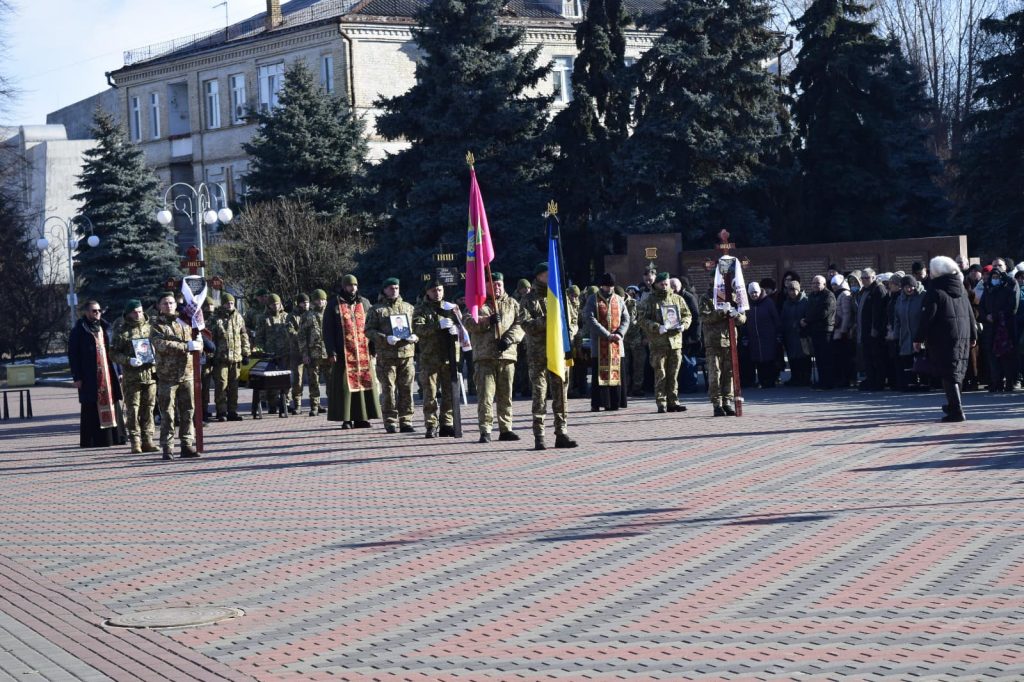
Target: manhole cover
point(187, 616)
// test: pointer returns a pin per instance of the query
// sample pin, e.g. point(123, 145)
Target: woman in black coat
point(98, 391)
point(947, 331)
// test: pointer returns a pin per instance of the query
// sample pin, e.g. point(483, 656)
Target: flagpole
point(557, 235)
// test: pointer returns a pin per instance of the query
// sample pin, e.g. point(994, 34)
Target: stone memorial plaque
point(851, 263)
point(906, 263)
point(808, 268)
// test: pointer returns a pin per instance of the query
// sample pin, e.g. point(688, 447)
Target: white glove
point(445, 305)
point(135, 362)
point(446, 323)
point(195, 345)
point(454, 331)
point(733, 313)
point(392, 340)
point(414, 339)
point(663, 329)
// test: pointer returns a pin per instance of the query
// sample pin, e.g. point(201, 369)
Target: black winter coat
point(821, 312)
point(82, 361)
point(874, 315)
point(947, 327)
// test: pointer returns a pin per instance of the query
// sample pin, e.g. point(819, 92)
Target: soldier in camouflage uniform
point(636, 354)
point(173, 345)
point(534, 310)
point(665, 339)
point(496, 354)
point(718, 354)
point(311, 346)
point(232, 341)
point(522, 377)
point(295, 362)
point(138, 378)
point(272, 340)
point(435, 322)
point(255, 312)
point(206, 358)
point(395, 367)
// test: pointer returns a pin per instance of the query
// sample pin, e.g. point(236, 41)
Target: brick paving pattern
point(830, 536)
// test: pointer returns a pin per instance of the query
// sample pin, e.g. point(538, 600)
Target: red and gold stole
point(104, 389)
point(357, 347)
point(609, 355)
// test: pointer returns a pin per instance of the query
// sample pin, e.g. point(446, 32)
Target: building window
point(154, 115)
point(327, 72)
point(212, 90)
point(271, 80)
point(135, 120)
point(571, 9)
point(561, 77)
point(237, 82)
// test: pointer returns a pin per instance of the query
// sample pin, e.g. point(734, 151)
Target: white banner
point(193, 290)
point(739, 288)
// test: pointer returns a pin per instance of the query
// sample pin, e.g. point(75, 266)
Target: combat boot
point(563, 441)
point(188, 452)
point(407, 428)
point(508, 436)
point(719, 412)
point(234, 417)
point(293, 407)
point(149, 447)
point(729, 412)
point(390, 428)
point(431, 432)
point(136, 448)
point(538, 443)
point(167, 453)
point(222, 417)
point(485, 438)
point(446, 431)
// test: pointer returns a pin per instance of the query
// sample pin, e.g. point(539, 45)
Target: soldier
point(232, 341)
point(534, 310)
point(664, 317)
point(436, 323)
point(206, 358)
point(173, 346)
point(311, 346)
point(718, 353)
point(295, 358)
point(395, 350)
point(129, 349)
point(496, 354)
point(522, 375)
point(272, 339)
point(580, 354)
point(256, 311)
point(636, 354)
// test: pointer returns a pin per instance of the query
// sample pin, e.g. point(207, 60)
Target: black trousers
point(800, 371)
point(844, 362)
point(823, 356)
point(876, 356)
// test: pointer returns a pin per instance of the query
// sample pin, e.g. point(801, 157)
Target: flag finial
point(470, 160)
point(552, 209)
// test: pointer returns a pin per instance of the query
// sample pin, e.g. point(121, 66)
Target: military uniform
point(272, 340)
point(175, 397)
point(666, 345)
point(295, 363)
point(635, 350)
point(206, 358)
point(718, 355)
point(495, 364)
point(138, 383)
point(395, 367)
point(534, 309)
point(314, 353)
point(435, 366)
point(232, 341)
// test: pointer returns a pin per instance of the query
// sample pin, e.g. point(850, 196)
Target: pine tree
point(312, 148)
point(705, 117)
point(589, 131)
point(471, 94)
point(119, 192)
point(991, 164)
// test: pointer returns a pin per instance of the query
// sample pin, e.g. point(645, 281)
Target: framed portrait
point(670, 316)
point(143, 351)
point(400, 327)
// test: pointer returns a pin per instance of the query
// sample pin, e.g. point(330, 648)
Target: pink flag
point(479, 250)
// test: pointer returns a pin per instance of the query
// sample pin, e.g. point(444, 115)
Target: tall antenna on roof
point(227, 20)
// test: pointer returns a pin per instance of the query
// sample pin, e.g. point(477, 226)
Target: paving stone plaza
point(821, 536)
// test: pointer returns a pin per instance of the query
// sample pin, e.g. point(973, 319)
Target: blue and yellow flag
point(558, 342)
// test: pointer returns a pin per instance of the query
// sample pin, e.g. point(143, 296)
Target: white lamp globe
point(210, 217)
point(164, 217)
point(225, 215)
point(93, 241)
point(43, 243)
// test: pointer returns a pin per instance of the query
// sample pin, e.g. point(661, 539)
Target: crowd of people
point(901, 331)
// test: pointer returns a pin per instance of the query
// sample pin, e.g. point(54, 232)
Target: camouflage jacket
point(534, 311)
point(294, 321)
point(634, 335)
point(716, 324)
point(650, 315)
point(272, 337)
point(170, 337)
point(311, 335)
point(435, 342)
point(231, 337)
point(378, 329)
point(510, 327)
point(122, 351)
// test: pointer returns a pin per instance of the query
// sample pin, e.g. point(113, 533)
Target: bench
point(24, 403)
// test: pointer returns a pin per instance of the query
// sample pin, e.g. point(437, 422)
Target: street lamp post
point(71, 240)
point(196, 203)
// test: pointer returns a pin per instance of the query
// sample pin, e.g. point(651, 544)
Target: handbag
point(922, 365)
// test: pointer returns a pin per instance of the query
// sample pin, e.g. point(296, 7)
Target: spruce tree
point(312, 148)
point(119, 192)
point(471, 94)
point(705, 118)
point(991, 164)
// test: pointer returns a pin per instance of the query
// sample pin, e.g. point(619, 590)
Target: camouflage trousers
point(177, 402)
point(313, 372)
point(225, 375)
point(666, 362)
point(540, 380)
point(396, 377)
point(719, 368)
point(139, 401)
point(435, 381)
point(494, 381)
point(637, 354)
point(298, 370)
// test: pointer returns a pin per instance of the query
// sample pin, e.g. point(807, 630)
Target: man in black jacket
point(999, 312)
point(871, 327)
point(819, 321)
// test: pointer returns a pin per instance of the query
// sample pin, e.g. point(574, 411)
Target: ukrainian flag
point(558, 343)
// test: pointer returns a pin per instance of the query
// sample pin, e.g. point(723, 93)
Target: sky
point(58, 50)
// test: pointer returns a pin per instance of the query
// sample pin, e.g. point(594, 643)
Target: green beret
point(391, 282)
point(497, 277)
point(302, 298)
point(274, 298)
point(319, 295)
point(262, 292)
point(574, 290)
point(523, 283)
point(208, 302)
point(662, 277)
point(540, 269)
point(349, 279)
point(226, 298)
point(131, 305)
point(165, 294)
